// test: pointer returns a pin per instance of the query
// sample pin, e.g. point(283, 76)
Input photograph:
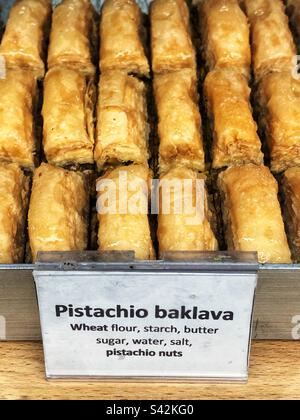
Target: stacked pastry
point(185, 216)
point(277, 95)
point(274, 55)
point(122, 133)
point(249, 192)
point(119, 143)
point(226, 49)
point(59, 205)
point(22, 62)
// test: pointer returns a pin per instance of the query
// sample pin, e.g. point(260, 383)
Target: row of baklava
point(245, 204)
point(226, 47)
point(69, 94)
point(59, 207)
point(227, 51)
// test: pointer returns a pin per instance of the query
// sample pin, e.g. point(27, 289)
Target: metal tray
point(277, 309)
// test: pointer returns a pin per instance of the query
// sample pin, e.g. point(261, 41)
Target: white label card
point(146, 325)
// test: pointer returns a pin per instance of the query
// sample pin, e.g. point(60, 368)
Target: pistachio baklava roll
point(226, 36)
point(180, 126)
point(122, 125)
point(24, 39)
point(252, 214)
point(273, 48)
point(291, 207)
point(235, 138)
point(18, 92)
point(58, 211)
point(279, 101)
point(68, 112)
point(73, 36)
point(122, 38)
point(14, 191)
point(185, 219)
point(171, 43)
point(123, 200)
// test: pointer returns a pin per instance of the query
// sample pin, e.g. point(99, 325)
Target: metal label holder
point(108, 317)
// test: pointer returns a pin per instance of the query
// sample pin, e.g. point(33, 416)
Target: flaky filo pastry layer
point(279, 101)
point(73, 37)
point(122, 120)
point(180, 125)
point(24, 39)
point(68, 112)
point(252, 214)
point(123, 198)
point(226, 35)
point(235, 138)
point(185, 219)
point(58, 211)
point(291, 207)
point(14, 193)
point(273, 47)
point(18, 97)
point(171, 43)
point(122, 38)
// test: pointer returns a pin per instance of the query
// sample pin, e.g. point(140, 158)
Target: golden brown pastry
point(121, 38)
point(171, 43)
point(252, 213)
point(291, 192)
point(58, 211)
point(73, 36)
point(24, 39)
point(235, 138)
point(68, 117)
point(122, 129)
point(272, 41)
point(14, 188)
point(17, 103)
point(279, 99)
point(180, 127)
point(123, 196)
point(225, 34)
point(184, 222)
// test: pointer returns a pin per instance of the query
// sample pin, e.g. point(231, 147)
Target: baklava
point(58, 211)
point(185, 220)
point(122, 38)
point(279, 100)
point(17, 104)
point(122, 130)
point(291, 193)
point(171, 43)
point(69, 99)
point(235, 138)
point(252, 214)
point(73, 36)
point(14, 189)
point(123, 198)
point(180, 127)
point(272, 41)
point(225, 34)
point(24, 39)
